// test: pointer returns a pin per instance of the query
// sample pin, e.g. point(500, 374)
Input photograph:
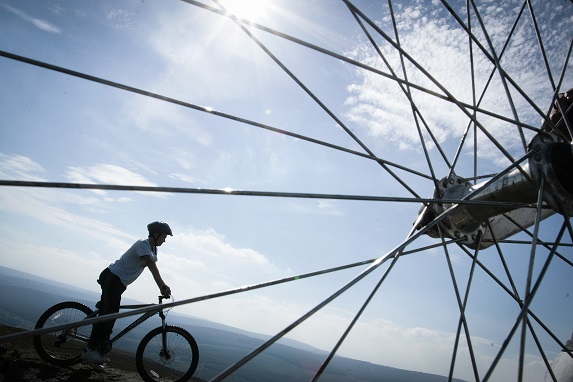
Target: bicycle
point(167, 352)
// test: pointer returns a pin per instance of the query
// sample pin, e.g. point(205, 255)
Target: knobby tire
point(182, 350)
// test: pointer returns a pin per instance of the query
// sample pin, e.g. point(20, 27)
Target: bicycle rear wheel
point(64, 347)
point(176, 362)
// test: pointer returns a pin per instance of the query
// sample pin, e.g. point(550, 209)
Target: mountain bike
point(166, 352)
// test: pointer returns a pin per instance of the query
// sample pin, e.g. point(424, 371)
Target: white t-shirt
point(131, 264)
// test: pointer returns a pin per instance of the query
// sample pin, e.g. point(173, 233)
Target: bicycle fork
point(164, 351)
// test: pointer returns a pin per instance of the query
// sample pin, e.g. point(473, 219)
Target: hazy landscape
point(24, 297)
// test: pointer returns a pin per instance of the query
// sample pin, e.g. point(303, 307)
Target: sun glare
point(252, 10)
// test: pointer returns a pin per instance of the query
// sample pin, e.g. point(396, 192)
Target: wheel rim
point(65, 345)
point(176, 366)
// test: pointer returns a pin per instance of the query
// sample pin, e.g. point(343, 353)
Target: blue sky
point(60, 128)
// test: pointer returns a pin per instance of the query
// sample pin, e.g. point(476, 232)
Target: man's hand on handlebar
point(165, 291)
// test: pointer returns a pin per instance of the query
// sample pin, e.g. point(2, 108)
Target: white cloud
point(18, 167)
point(69, 267)
point(329, 207)
point(183, 177)
point(208, 252)
point(110, 175)
point(441, 47)
point(107, 174)
point(52, 206)
point(161, 119)
point(118, 18)
point(210, 244)
point(413, 348)
point(38, 23)
point(184, 159)
point(378, 341)
point(320, 207)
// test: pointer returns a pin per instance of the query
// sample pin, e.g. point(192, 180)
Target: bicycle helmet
point(160, 228)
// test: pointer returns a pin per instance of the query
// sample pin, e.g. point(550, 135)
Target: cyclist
point(115, 279)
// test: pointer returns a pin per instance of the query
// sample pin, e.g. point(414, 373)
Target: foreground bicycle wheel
point(488, 285)
point(177, 362)
point(63, 348)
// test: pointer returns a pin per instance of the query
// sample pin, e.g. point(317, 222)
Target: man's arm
point(165, 290)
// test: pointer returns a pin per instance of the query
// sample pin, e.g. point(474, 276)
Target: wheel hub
point(479, 225)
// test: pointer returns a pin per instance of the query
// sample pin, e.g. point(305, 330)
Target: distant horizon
point(131, 301)
point(179, 320)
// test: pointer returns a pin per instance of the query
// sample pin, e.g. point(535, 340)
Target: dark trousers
point(111, 290)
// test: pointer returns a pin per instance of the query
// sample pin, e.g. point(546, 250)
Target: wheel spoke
point(455, 128)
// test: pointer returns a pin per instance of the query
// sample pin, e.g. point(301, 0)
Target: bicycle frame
point(138, 321)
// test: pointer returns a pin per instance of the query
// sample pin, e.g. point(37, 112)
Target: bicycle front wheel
point(64, 347)
point(169, 354)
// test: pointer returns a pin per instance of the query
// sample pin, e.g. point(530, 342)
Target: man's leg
point(112, 289)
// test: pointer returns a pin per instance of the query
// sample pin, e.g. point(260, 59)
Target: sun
point(252, 10)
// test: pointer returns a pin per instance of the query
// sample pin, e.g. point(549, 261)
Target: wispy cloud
point(211, 244)
point(416, 348)
point(45, 260)
point(18, 167)
point(53, 208)
point(321, 207)
point(107, 174)
point(110, 174)
point(38, 23)
point(440, 46)
point(166, 120)
point(118, 18)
